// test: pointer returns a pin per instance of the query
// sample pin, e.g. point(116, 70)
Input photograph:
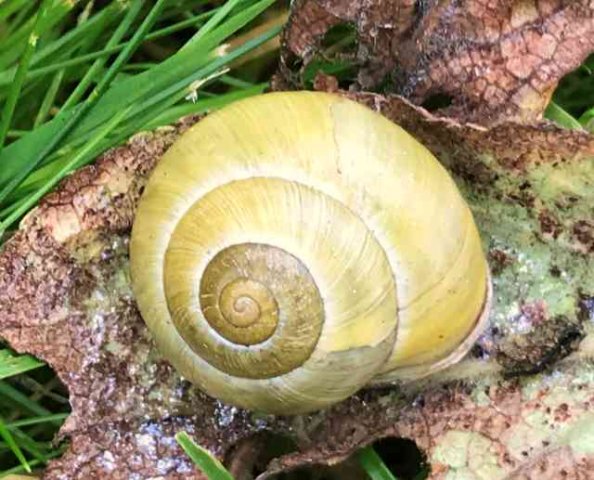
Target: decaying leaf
point(66, 298)
point(493, 60)
point(519, 407)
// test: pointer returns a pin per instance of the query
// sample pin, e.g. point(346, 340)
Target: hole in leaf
point(572, 105)
point(293, 62)
point(403, 458)
point(341, 37)
point(250, 457)
point(575, 92)
point(335, 56)
point(348, 470)
point(437, 102)
point(343, 70)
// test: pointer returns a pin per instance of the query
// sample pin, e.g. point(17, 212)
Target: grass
point(373, 464)
point(573, 101)
point(201, 457)
point(367, 457)
point(78, 77)
point(32, 407)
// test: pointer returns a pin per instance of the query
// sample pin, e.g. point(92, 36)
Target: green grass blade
point(17, 84)
point(32, 463)
point(9, 8)
point(372, 464)
point(22, 15)
point(9, 395)
point(235, 82)
point(72, 38)
point(27, 422)
point(202, 106)
point(65, 43)
point(42, 389)
point(90, 75)
point(587, 120)
point(215, 20)
point(12, 364)
point(57, 11)
point(127, 52)
point(9, 439)
point(16, 155)
point(32, 199)
point(202, 458)
point(72, 117)
point(49, 99)
point(26, 443)
point(16, 133)
point(6, 77)
point(36, 152)
point(12, 48)
point(557, 114)
point(188, 22)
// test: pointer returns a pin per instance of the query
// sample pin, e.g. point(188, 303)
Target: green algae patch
point(580, 437)
point(468, 456)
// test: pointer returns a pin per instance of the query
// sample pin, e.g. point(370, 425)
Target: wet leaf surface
point(519, 407)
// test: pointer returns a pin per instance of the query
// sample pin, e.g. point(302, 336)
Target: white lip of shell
point(417, 372)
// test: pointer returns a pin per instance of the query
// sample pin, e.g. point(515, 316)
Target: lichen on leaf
point(520, 406)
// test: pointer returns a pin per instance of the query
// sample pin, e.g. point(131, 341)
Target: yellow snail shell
point(294, 247)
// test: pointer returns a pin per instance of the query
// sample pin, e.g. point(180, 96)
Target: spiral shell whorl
point(276, 292)
point(294, 257)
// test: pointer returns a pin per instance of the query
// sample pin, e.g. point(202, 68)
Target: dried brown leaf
point(494, 60)
point(65, 297)
point(521, 405)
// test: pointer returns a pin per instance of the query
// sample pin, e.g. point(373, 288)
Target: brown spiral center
point(248, 311)
point(245, 312)
point(263, 310)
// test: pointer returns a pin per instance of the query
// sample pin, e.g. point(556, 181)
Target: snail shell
point(294, 247)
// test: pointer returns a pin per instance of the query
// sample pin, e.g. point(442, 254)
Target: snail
point(292, 248)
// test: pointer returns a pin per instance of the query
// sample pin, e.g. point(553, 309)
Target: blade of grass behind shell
point(210, 466)
point(94, 146)
point(72, 117)
point(10, 441)
point(13, 364)
point(89, 77)
point(25, 153)
point(19, 78)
